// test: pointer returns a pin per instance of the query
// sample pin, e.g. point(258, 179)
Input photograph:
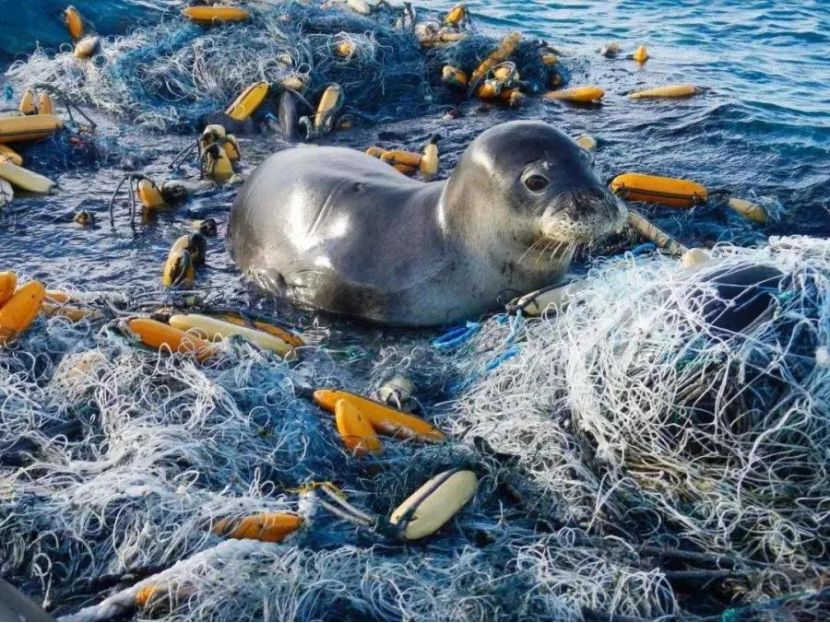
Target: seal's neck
point(471, 214)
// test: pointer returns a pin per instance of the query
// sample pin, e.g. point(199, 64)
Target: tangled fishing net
point(170, 75)
point(627, 454)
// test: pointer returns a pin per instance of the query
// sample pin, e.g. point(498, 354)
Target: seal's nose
point(590, 203)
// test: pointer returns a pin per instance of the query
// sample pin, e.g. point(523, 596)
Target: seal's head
point(539, 186)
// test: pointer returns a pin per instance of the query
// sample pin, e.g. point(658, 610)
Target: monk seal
point(15, 606)
point(343, 232)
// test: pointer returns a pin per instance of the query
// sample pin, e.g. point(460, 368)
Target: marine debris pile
point(168, 76)
point(648, 442)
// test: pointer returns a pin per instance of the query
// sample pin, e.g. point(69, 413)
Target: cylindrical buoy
point(553, 298)
point(25, 179)
point(217, 165)
point(586, 141)
point(750, 210)
point(214, 329)
point(213, 15)
point(330, 104)
point(160, 336)
point(284, 334)
point(27, 103)
point(694, 257)
point(86, 47)
point(650, 231)
point(398, 156)
point(583, 95)
point(28, 128)
point(429, 159)
point(384, 419)
point(44, 104)
point(456, 15)
point(506, 48)
point(7, 154)
point(149, 194)
point(71, 313)
point(179, 267)
point(672, 192)
point(248, 101)
point(355, 430)
point(18, 313)
point(74, 22)
point(267, 527)
point(454, 77)
point(436, 502)
point(8, 284)
point(671, 90)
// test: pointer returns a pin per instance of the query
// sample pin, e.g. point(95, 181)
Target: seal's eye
point(536, 183)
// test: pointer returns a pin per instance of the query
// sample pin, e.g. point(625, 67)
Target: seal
point(340, 231)
point(15, 606)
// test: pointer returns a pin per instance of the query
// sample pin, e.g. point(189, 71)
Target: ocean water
point(762, 130)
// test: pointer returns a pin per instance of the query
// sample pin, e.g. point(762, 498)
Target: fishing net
point(630, 415)
point(172, 74)
point(626, 453)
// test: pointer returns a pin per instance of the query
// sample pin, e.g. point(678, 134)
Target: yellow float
point(286, 336)
point(355, 430)
point(31, 128)
point(429, 159)
point(86, 47)
point(650, 231)
point(211, 15)
point(7, 154)
point(18, 313)
point(214, 329)
point(248, 101)
point(675, 193)
point(580, 95)
point(672, 90)
point(74, 22)
point(160, 336)
point(453, 77)
point(384, 419)
point(436, 502)
point(27, 104)
point(505, 50)
point(750, 210)
point(8, 284)
point(25, 179)
point(267, 527)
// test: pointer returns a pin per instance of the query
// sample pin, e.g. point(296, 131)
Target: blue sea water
point(762, 130)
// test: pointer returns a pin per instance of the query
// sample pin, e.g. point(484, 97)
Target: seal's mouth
point(583, 216)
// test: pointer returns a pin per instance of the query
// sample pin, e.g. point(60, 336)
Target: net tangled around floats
point(171, 75)
point(626, 454)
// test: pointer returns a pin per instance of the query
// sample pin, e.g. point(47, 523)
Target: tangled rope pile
point(629, 415)
point(604, 479)
point(169, 76)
